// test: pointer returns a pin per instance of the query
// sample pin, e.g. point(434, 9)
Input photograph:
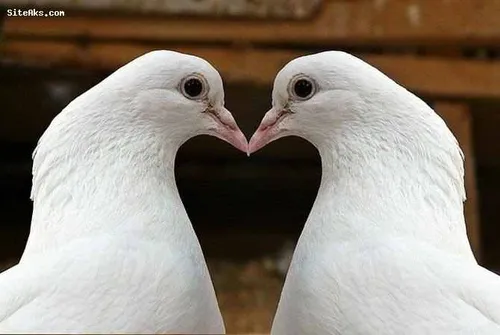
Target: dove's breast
point(101, 285)
point(382, 286)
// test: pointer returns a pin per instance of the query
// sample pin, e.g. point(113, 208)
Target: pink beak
point(228, 130)
point(268, 130)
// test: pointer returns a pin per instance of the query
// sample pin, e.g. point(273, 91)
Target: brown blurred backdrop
point(248, 212)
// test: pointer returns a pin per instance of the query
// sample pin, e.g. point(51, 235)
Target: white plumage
point(385, 249)
point(111, 248)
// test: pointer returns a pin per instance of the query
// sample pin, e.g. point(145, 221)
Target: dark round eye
point(303, 88)
point(192, 87)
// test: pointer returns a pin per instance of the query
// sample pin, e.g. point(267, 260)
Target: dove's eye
point(302, 88)
point(194, 87)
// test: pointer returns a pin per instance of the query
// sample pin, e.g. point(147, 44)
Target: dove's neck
point(125, 189)
point(375, 188)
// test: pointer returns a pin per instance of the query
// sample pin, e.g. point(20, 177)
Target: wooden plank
point(297, 9)
point(458, 118)
point(340, 22)
point(430, 76)
point(442, 77)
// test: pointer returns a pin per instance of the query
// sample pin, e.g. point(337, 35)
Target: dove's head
point(138, 116)
point(385, 153)
point(314, 94)
point(355, 115)
point(112, 150)
point(352, 112)
point(178, 92)
point(106, 162)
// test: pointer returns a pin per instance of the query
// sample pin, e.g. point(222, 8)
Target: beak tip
point(242, 141)
point(258, 140)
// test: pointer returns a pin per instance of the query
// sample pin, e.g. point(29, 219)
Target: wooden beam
point(458, 118)
point(430, 76)
point(339, 22)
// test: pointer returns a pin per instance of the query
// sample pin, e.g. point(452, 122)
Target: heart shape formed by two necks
point(106, 204)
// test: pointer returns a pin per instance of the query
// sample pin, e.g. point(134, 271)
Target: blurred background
point(248, 212)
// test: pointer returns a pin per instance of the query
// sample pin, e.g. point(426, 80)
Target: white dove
point(385, 249)
point(111, 248)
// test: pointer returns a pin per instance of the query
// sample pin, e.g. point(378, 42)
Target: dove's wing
point(17, 289)
point(400, 286)
point(98, 286)
point(480, 289)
